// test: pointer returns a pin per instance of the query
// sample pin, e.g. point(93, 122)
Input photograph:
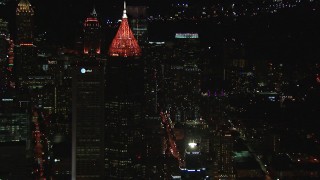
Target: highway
point(38, 147)
point(166, 122)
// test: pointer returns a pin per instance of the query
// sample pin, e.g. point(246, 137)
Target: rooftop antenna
point(124, 10)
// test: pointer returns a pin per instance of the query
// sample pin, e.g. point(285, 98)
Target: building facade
point(124, 147)
point(88, 122)
point(91, 32)
point(25, 24)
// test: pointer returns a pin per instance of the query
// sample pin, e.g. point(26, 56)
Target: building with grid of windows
point(25, 18)
point(124, 145)
point(223, 147)
point(88, 121)
point(91, 32)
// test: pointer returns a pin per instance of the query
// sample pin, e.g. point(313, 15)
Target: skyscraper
point(124, 93)
point(3, 39)
point(25, 51)
point(88, 121)
point(182, 72)
point(194, 169)
point(91, 38)
point(223, 147)
point(25, 31)
point(14, 139)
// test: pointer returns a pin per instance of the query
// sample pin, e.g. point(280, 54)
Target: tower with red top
point(125, 148)
point(124, 44)
point(91, 39)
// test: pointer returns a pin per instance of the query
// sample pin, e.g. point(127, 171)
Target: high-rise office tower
point(88, 121)
point(24, 15)
point(223, 147)
point(14, 121)
point(3, 39)
point(91, 38)
point(152, 75)
point(194, 168)
point(14, 139)
point(124, 93)
point(184, 77)
point(234, 67)
point(25, 50)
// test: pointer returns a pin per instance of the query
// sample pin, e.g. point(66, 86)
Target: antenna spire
point(124, 44)
point(124, 10)
point(94, 12)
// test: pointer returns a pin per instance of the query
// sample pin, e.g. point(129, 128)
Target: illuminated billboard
point(187, 36)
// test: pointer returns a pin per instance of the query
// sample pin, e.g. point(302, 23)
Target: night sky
point(290, 34)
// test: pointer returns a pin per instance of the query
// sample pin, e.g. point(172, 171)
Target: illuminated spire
point(94, 12)
point(24, 6)
point(124, 44)
point(124, 10)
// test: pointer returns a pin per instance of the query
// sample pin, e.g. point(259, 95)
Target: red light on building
point(85, 50)
point(124, 44)
point(26, 44)
point(91, 30)
point(318, 78)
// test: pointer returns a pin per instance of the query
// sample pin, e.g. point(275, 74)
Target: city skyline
point(159, 90)
point(60, 27)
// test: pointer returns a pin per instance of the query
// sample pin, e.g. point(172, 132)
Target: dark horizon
point(289, 34)
point(293, 28)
